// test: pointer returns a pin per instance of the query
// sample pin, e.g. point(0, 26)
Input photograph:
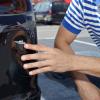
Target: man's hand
point(49, 59)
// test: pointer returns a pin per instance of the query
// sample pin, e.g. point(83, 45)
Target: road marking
point(86, 43)
point(77, 41)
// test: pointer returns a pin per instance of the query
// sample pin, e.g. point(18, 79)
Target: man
point(81, 14)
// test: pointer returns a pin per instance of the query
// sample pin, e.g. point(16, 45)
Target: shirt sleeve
point(74, 19)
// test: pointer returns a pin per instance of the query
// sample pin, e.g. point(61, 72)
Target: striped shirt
point(84, 14)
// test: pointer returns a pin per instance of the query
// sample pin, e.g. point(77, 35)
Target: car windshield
point(14, 6)
point(42, 7)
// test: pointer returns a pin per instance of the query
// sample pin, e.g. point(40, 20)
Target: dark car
point(17, 27)
point(58, 11)
point(50, 12)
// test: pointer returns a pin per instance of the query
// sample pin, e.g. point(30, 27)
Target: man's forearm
point(88, 65)
point(84, 64)
point(83, 84)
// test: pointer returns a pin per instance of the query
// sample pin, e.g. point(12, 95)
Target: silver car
point(50, 12)
point(43, 11)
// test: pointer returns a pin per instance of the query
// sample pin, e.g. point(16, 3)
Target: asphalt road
point(47, 33)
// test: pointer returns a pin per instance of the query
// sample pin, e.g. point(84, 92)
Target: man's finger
point(36, 56)
point(38, 47)
point(40, 70)
point(37, 64)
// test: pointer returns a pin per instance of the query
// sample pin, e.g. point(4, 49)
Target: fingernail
point(25, 66)
point(23, 58)
point(30, 73)
point(26, 45)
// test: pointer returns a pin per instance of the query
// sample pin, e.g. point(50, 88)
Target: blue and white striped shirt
point(83, 14)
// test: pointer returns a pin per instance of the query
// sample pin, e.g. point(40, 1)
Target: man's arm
point(84, 64)
point(53, 58)
point(56, 60)
point(63, 40)
point(86, 89)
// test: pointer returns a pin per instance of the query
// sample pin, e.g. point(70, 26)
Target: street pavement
point(63, 89)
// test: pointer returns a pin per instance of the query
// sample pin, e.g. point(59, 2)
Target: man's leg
point(87, 90)
point(88, 86)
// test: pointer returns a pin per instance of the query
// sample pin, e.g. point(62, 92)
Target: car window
point(42, 7)
point(5, 5)
point(14, 6)
point(59, 6)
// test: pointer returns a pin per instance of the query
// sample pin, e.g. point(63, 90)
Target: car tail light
point(68, 1)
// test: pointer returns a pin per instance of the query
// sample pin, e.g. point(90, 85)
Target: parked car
point(58, 11)
point(50, 12)
point(43, 11)
point(17, 26)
